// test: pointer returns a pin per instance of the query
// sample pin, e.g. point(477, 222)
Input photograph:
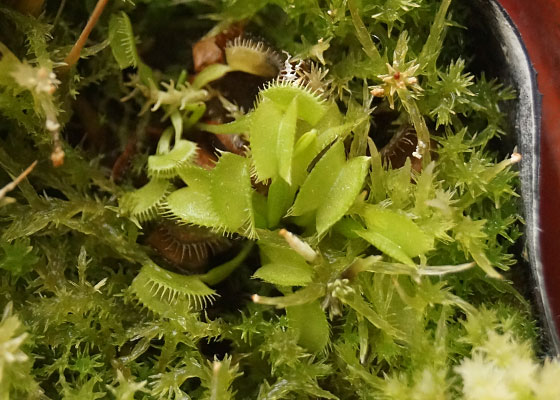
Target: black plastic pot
point(504, 55)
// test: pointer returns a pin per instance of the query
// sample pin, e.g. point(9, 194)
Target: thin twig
point(12, 185)
point(74, 55)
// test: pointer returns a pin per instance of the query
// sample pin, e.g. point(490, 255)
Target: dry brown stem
point(74, 55)
point(12, 185)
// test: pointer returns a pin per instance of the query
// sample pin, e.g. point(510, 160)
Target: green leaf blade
point(285, 141)
point(280, 197)
point(386, 245)
point(318, 183)
point(398, 229)
point(311, 323)
point(209, 74)
point(283, 266)
point(231, 193)
point(193, 206)
point(285, 274)
point(265, 122)
point(342, 193)
point(305, 150)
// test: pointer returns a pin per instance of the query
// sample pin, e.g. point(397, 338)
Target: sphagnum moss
point(368, 221)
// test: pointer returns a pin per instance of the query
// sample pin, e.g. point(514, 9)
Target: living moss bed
point(258, 199)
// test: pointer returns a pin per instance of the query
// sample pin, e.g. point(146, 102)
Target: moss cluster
point(317, 214)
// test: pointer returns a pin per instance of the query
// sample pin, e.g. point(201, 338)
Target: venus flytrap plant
point(144, 203)
point(327, 283)
point(169, 294)
point(254, 58)
point(286, 265)
point(220, 199)
point(279, 151)
point(274, 124)
point(169, 161)
point(123, 46)
point(370, 276)
point(184, 103)
point(394, 234)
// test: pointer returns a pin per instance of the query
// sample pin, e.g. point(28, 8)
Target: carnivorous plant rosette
point(258, 200)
